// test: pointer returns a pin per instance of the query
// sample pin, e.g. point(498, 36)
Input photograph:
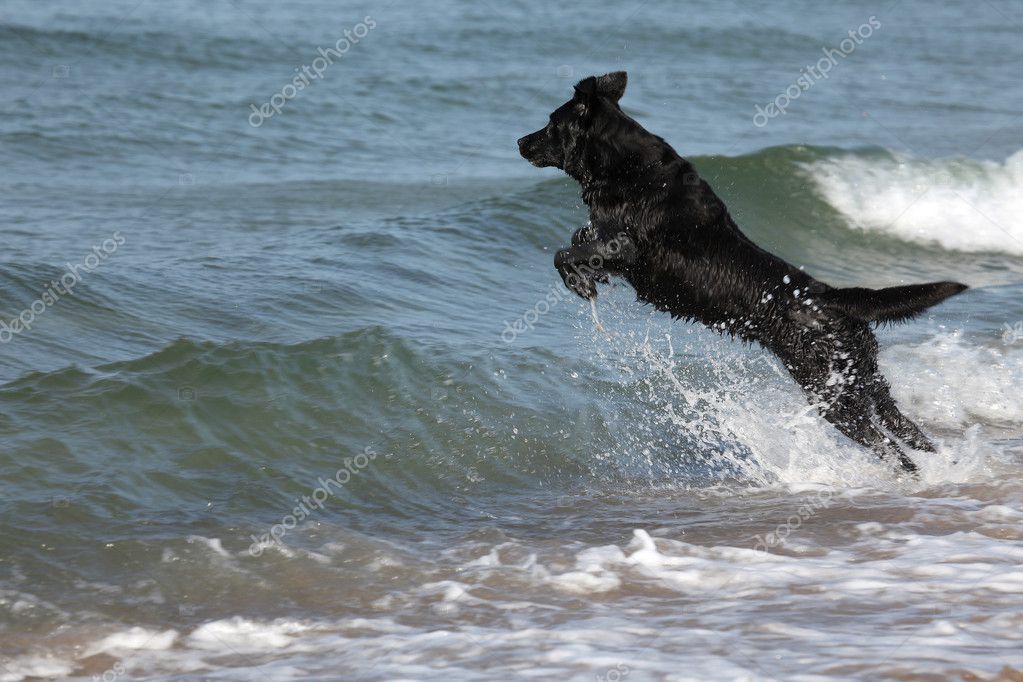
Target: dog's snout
point(535, 148)
point(527, 147)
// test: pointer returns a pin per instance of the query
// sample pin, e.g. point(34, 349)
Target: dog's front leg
point(581, 266)
point(585, 235)
point(578, 277)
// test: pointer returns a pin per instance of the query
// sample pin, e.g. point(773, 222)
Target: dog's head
point(563, 138)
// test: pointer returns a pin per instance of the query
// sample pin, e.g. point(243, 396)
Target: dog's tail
point(894, 304)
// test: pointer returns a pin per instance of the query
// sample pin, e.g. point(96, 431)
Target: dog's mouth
point(531, 148)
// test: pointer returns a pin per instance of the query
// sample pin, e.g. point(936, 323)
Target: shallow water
point(324, 410)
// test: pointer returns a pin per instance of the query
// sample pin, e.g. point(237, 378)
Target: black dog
point(656, 223)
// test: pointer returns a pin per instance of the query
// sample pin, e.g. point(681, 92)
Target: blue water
point(258, 309)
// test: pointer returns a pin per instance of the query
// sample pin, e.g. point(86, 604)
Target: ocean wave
point(280, 416)
point(957, 204)
point(690, 409)
point(480, 583)
point(951, 383)
point(194, 50)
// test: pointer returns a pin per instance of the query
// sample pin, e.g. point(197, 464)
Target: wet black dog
point(656, 223)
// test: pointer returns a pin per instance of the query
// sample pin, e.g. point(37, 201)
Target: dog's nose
point(522, 141)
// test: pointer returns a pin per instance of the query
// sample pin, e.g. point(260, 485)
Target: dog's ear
point(612, 85)
point(586, 89)
point(585, 97)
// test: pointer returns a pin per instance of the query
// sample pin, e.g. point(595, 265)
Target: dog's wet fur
point(656, 223)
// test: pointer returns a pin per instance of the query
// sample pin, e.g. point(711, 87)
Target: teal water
point(278, 428)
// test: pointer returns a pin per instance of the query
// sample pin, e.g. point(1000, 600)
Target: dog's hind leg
point(900, 425)
point(862, 430)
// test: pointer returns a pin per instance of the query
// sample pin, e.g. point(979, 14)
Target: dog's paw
point(909, 466)
point(582, 285)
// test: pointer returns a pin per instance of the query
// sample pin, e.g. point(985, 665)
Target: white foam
point(449, 590)
point(749, 400)
point(33, 667)
point(958, 204)
point(717, 606)
point(999, 512)
point(946, 381)
point(242, 635)
point(213, 544)
point(135, 639)
point(740, 407)
point(583, 582)
point(959, 562)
